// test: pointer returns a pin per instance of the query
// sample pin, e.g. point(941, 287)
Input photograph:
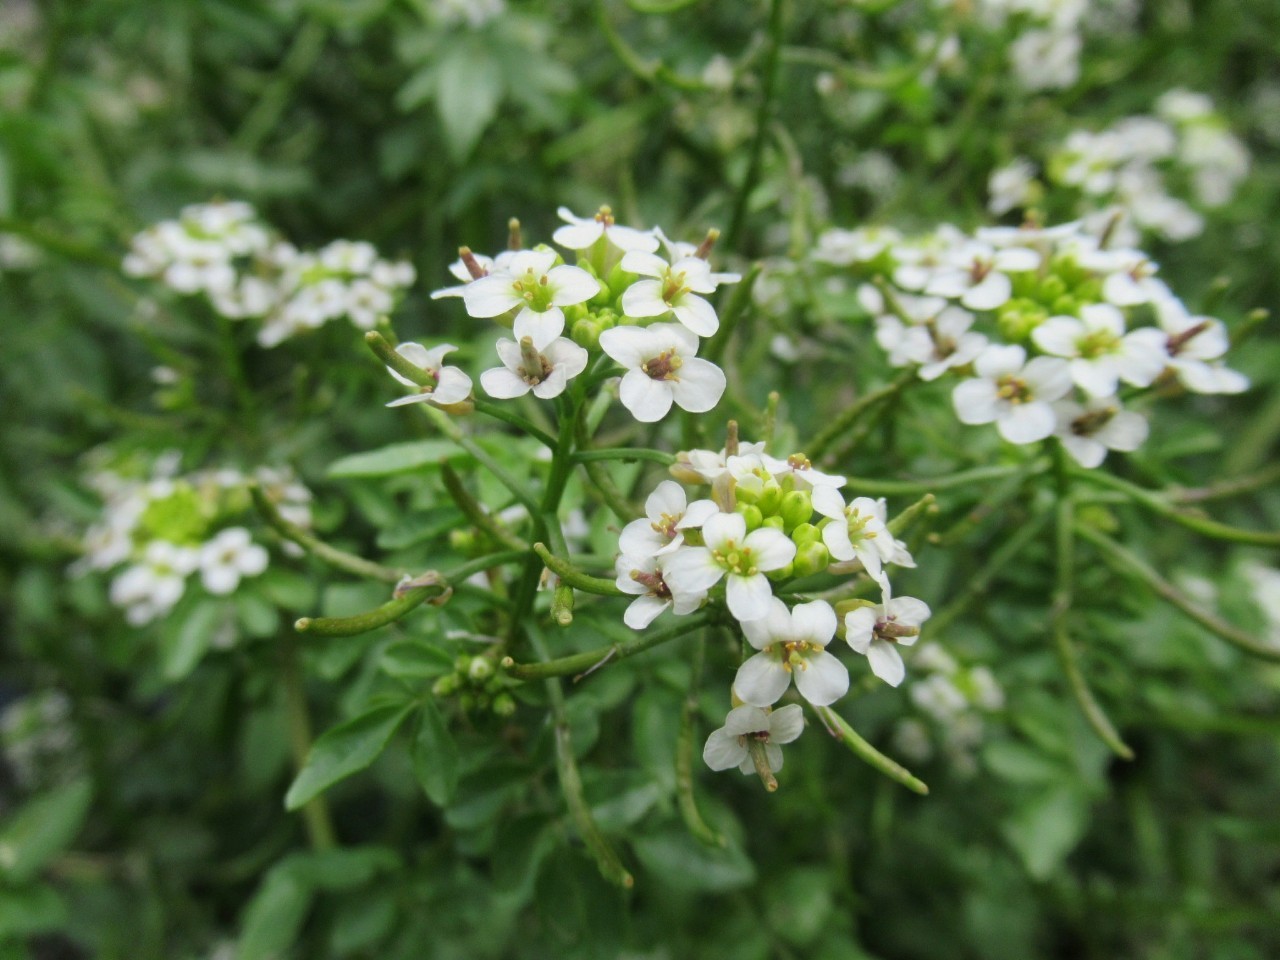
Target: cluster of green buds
point(777, 503)
point(477, 685)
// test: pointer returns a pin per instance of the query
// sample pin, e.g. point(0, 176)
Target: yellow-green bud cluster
point(779, 505)
point(1060, 291)
point(477, 685)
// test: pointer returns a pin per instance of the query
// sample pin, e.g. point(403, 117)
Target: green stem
point(500, 412)
point(839, 728)
point(816, 447)
point(339, 559)
point(980, 512)
point(1157, 504)
point(732, 313)
point(297, 63)
point(477, 514)
point(579, 663)
point(315, 812)
point(626, 454)
point(860, 78)
point(769, 73)
point(1125, 562)
point(606, 858)
point(925, 506)
point(613, 498)
point(1230, 488)
point(685, 753)
point(571, 575)
point(396, 608)
point(1064, 591)
point(909, 488)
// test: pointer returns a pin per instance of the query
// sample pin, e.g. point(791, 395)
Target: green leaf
point(1046, 829)
point(185, 643)
point(258, 618)
point(687, 866)
point(435, 756)
point(42, 829)
point(396, 458)
point(28, 910)
point(274, 916)
point(346, 749)
point(1019, 763)
point(415, 660)
point(468, 90)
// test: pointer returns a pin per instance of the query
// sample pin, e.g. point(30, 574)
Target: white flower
point(728, 747)
point(1010, 186)
point(366, 302)
point(801, 471)
point(230, 555)
point(532, 282)
point(662, 367)
point(939, 344)
point(546, 370)
point(1088, 432)
point(1015, 396)
point(744, 557)
point(643, 577)
point(1099, 352)
point(667, 515)
point(857, 531)
point(675, 290)
point(1194, 344)
point(451, 384)
point(876, 632)
point(1046, 59)
point(149, 589)
point(843, 248)
point(792, 644)
point(976, 274)
point(580, 233)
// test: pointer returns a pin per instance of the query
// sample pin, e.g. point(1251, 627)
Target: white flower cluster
point(1131, 165)
point(1046, 37)
point(38, 738)
point(160, 530)
point(956, 699)
point(644, 311)
point(768, 520)
point(1044, 324)
point(224, 252)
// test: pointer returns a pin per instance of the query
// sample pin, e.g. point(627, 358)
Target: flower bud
point(746, 495)
point(462, 540)
point(805, 533)
point(770, 499)
point(751, 513)
point(775, 521)
point(1018, 318)
point(586, 334)
point(504, 705)
point(782, 573)
point(480, 668)
point(797, 508)
point(814, 558)
point(446, 686)
point(1051, 288)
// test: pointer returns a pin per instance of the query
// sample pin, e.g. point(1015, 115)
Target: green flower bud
point(775, 521)
point(504, 705)
point(445, 686)
point(1051, 288)
point(751, 513)
point(466, 701)
point(845, 607)
point(462, 663)
point(814, 558)
point(480, 668)
point(586, 334)
point(1018, 318)
point(782, 573)
point(745, 495)
point(462, 539)
point(770, 498)
point(618, 280)
point(806, 533)
point(796, 508)
point(1064, 305)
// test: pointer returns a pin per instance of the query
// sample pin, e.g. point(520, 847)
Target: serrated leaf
point(468, 89)
point(346, 749)
point(42, 829)
point(396, 458)
point(435, 756)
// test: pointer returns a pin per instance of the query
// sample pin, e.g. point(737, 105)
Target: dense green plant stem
point(562, 568)
point(396, 608)
point(819, 445)
point(770, 74)
point(685, 752)
point(612, 497)
point(339, 559)
point(500, 412)
point(582, 663)
point(625, 454)
point(315, 812)
point(477, 514)
point(914, 488)
point(602, 852)
point(1158, 504)
point(839, 728)
point(1063, 595)
point(1125, 562)
point(1230, 488)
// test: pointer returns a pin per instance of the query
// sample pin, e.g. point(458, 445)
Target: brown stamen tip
point(471, 263)
point(514, 239)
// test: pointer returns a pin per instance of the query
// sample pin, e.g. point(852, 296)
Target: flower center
point(1013, 389)
point(534, 367)
point(673, 287)
point(890, 631)
point(792, 654)
point(534, 289)
point(605, 216)
point(653, 582)
point(857, 524)
point(666, 525)
point(1087, 424)
point(735, 559)
point(1097, 343)
point(979, 269)
point(1186, 336)
point(663, 366)
point(798, 461)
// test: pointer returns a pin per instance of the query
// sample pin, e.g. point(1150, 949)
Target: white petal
point(570, 285)
point(220, 580)
point(553, 385)
point(252, 560)
point(1086, 451)
point(1059, 336)
point(859, 627)
point(648, 400)
point(1048, 377)
point(772, 548)
point(1026, 422)
point(975, 401)
point(828, 502)
point(629, 345)
point(667, 498)
point(1126, 431)
point(567, 356)
point(501, 384)
point(644, 299)
point(814, 621)
point(644, 263)
point(693, 569)
point(541, 328)
point(746, 719)
point(643, 611)
point(723, 527)
point(761, 680)
point(1098, 378)
point(490, 296)
point(825, 681)
point(786, 723)
point(722, 750)
point(835, 536)
point(993, 291)
point(748, 597)
point(908, 611)
point(700, 385)
point(886, 662)
point(696, 314)
point(453, 386)
point(697, 514)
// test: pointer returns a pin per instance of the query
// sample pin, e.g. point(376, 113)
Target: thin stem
point(1156, 503)
point(949, 481)
point(1126, 562)
point(339, 559)
point(859, 77)
point(981, 511)
point(500, 412)
point(563, 569)
point(816, 447)
point(297, 63)
point(315, 812)
point(684, 753)
point(477, 514)
point(839, 728)
point(626, 454)
point(580, 662)
point(613, 498)
point(1230, 488)
point(769, 74)
point(606, 858)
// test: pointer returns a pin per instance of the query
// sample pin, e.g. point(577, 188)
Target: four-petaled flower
point(543, 367)
point(878, 631)
point(662, 367)
point(792, 644)
point(533, 283)
point(729, 746)
point(580, 233)
point(667, 515)
point(674, 290)
point(1015, 394)
point(744, 557)
point(857, 531)
point(643, 578)
point(1088, 432)
point(227, 558)
point(451, 384)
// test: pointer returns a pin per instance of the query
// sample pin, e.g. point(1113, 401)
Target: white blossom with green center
point(740, 557)
point(1099, 352)
point(793, 646)
point(675, 289)
point(667, 515)
point(532, 283)
point(729, 746)
point(857, 530)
